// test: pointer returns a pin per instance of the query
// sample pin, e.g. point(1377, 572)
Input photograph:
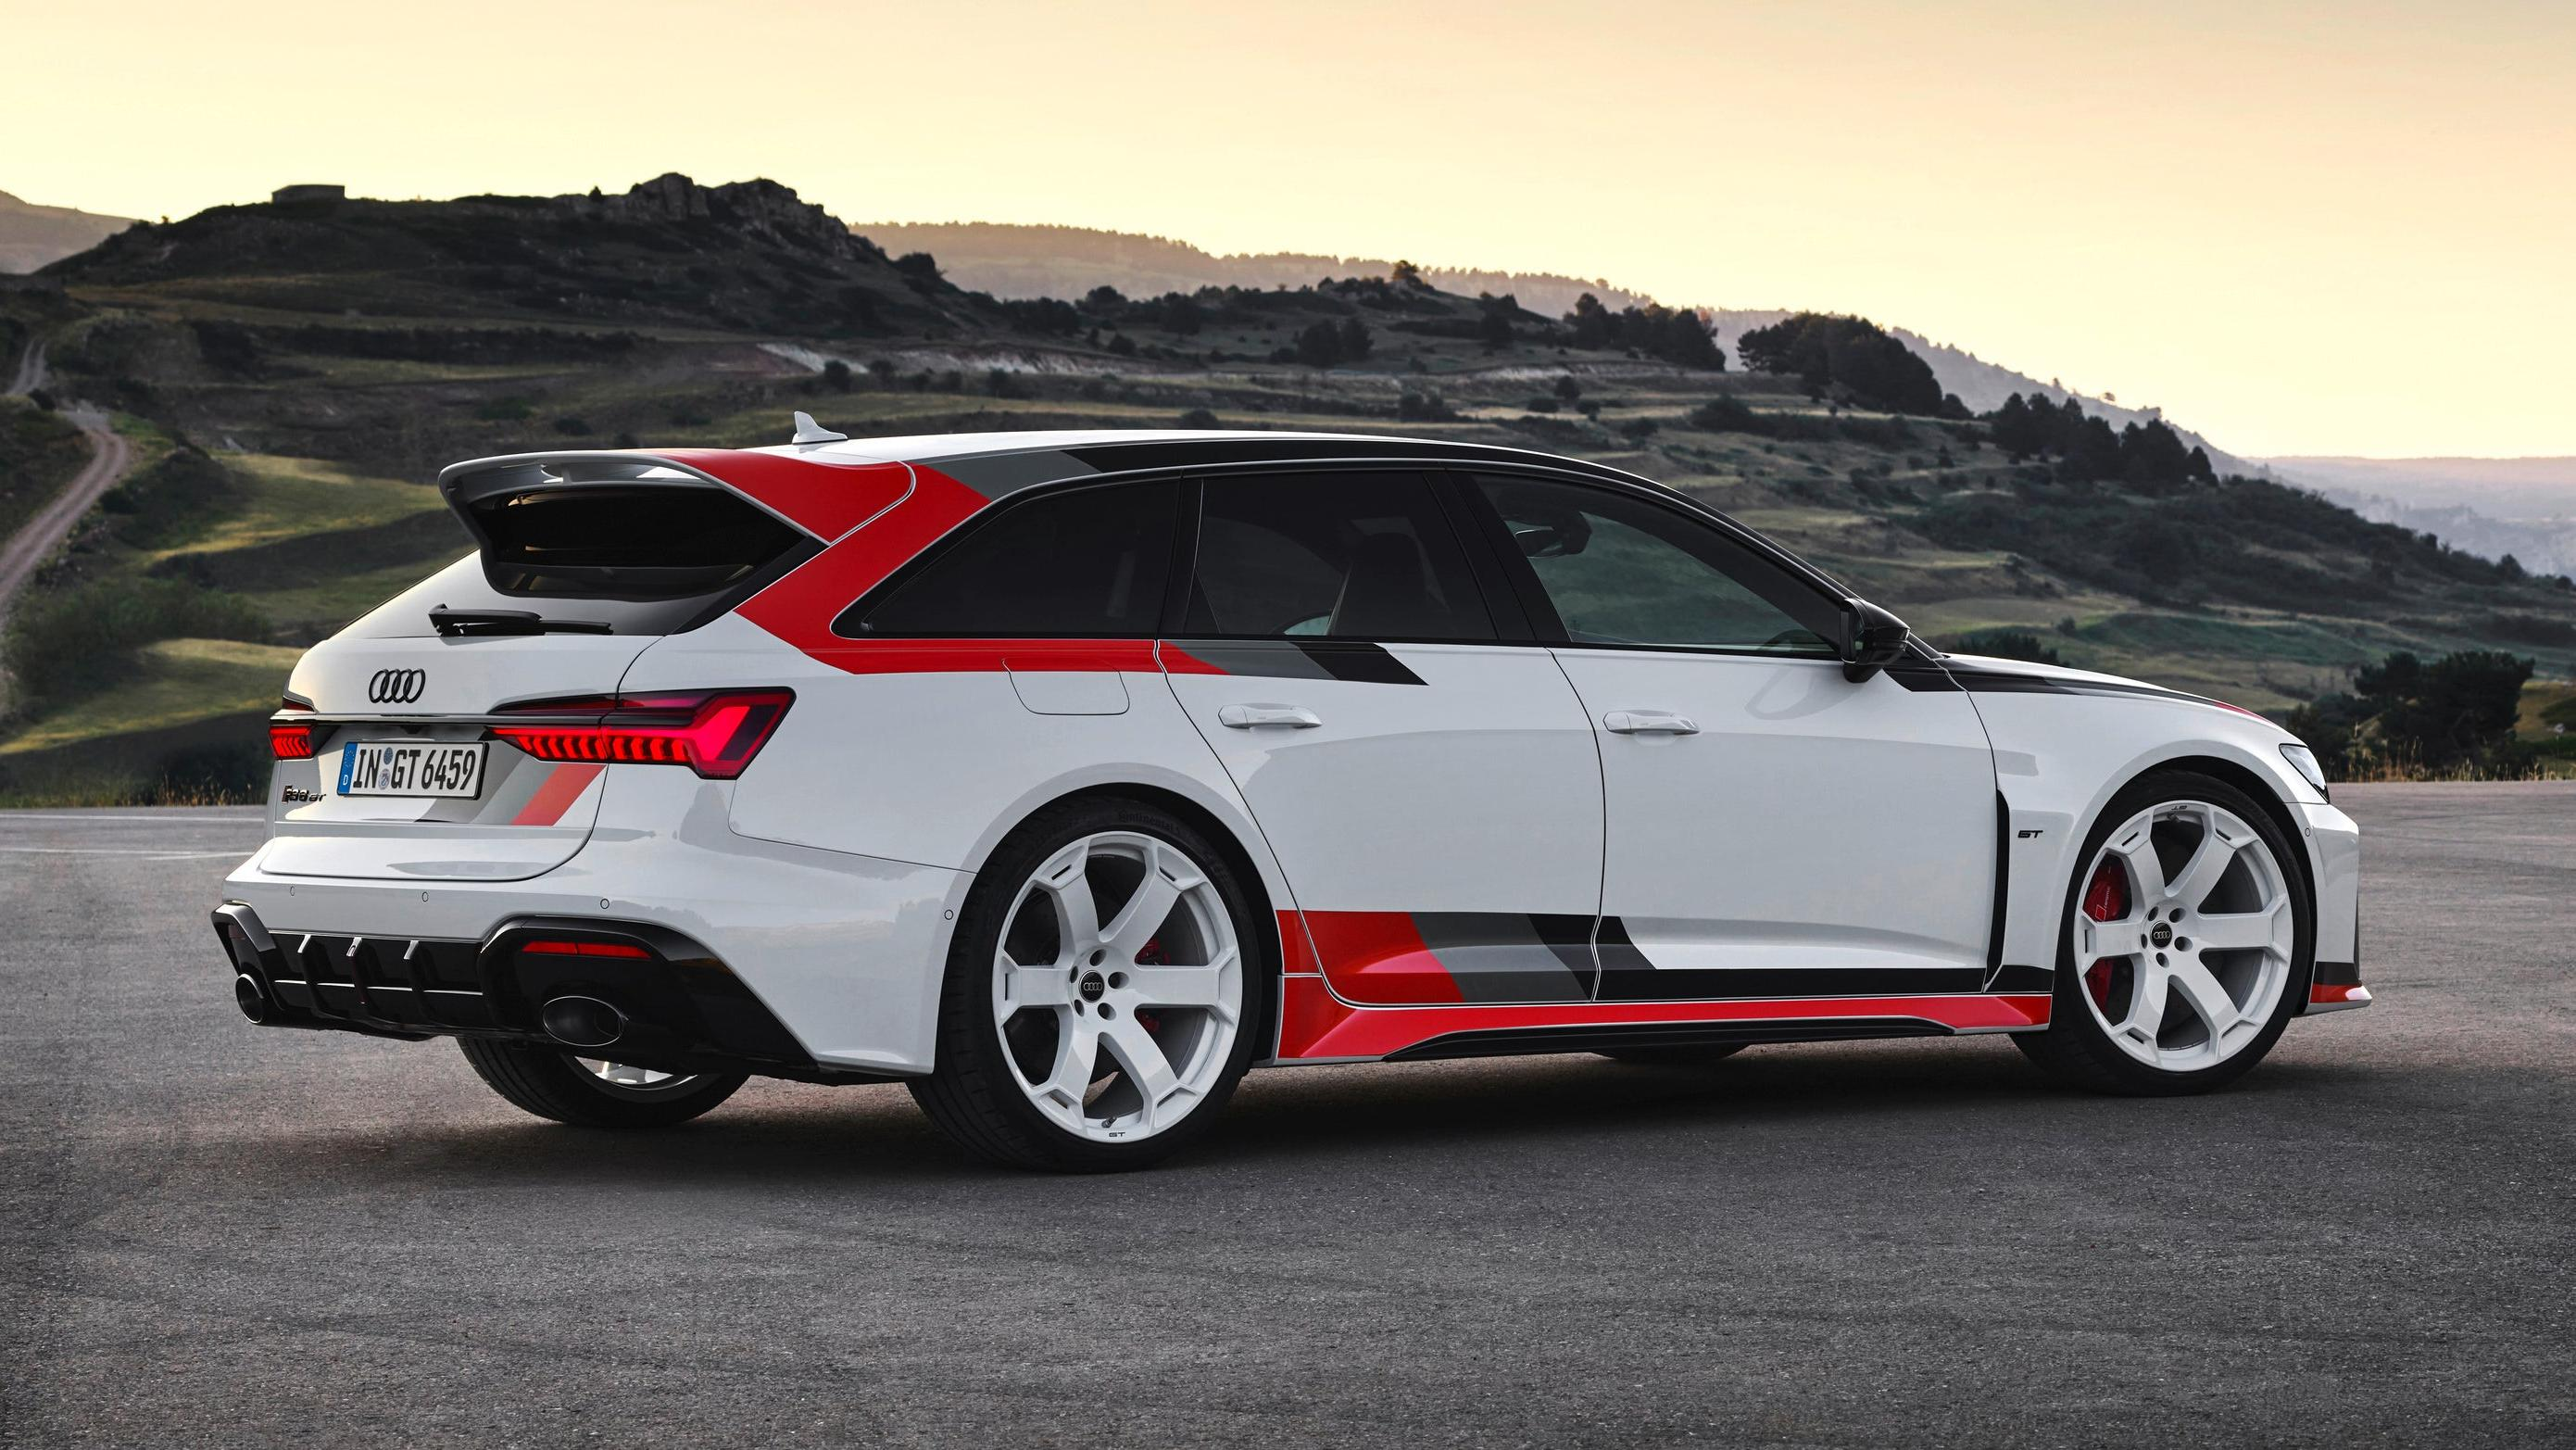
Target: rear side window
point(682, 553)
point(1331, 555)
point(1090, 563)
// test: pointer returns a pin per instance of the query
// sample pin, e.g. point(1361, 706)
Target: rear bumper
point(669, 1004)
point(844, 953)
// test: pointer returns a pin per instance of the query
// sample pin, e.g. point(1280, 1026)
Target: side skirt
point(1315, 1026)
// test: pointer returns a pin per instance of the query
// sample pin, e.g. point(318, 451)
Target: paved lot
point(218, 1235)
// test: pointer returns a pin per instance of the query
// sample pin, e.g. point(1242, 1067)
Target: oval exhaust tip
point(581, 1021)
point(248, 996)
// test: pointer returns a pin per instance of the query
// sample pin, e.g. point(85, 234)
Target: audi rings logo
point(396, 687)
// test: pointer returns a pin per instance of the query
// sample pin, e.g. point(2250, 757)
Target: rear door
point(1774, 830)
point(572, 583)
point(1431, 792)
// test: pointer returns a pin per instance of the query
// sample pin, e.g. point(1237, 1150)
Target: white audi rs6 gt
point(1066, 776)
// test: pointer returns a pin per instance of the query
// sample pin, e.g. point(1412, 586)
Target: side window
point(1622, 570)
point(1331, 555)
point(1085, 564)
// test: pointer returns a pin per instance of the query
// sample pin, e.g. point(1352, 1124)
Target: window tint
point(1623, 570)
point(1089, 563)
point(1331, 555)
point(645, 559)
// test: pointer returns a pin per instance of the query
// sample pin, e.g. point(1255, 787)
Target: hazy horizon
point(2299, 228)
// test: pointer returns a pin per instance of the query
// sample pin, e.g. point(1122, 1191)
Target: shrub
point(164, 504)
point(1199, 418)
point(73, 643)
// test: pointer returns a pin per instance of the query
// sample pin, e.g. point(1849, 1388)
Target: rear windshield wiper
point(455, 622)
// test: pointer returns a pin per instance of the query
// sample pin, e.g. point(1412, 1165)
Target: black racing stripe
point(1613, 1037)
point(2010, 978)
point(1922, 676)
point(1503, 956)
point(2002, 682)
point(1357, 661)
point(1119, 457)
point(1616, 951)
point(2336, 974)
point(1727, 984)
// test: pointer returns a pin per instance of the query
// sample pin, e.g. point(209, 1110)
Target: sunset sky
point(2300, 228)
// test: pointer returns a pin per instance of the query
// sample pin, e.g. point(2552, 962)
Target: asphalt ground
point(223, 1235)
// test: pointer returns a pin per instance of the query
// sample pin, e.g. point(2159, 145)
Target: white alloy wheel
point(2185, 934)
point(1118, 986)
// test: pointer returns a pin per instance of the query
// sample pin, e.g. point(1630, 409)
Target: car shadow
point(786, 1137)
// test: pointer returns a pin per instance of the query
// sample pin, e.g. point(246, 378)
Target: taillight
point(715, 733)
point(291, 742)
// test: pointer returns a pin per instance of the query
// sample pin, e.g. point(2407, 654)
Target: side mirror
point(1872, 640)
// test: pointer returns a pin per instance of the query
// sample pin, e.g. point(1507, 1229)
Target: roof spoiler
point(821, 498)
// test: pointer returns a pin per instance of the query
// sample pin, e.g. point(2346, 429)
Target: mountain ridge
point(32, 235)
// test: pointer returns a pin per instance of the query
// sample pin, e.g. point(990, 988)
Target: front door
point(1432, 794)
point(1773, 830)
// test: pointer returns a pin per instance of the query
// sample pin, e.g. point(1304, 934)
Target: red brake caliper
point(2105, 899)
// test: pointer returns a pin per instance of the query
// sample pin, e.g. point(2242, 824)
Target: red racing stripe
point(2325, 993)
point(826, 500)
point(1379, 956)
point(800, 608)
point(1314, 1025)
point(556, 795)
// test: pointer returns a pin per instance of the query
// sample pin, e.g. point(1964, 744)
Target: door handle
point(1648, 722)
point(1253, 717)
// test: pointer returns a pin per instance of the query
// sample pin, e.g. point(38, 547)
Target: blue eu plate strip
point(348, 761)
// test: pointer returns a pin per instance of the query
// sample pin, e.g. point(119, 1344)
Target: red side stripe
point(1313, 1025)
point(556, 795)
point(800, 608)
point(2324, 993)
point(1378, 956)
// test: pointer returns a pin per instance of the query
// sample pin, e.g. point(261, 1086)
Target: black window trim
point(1183, 526)
point(1549, 628)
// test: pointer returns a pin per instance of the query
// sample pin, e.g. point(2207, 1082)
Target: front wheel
point(1101, 992)
point(2186, 946)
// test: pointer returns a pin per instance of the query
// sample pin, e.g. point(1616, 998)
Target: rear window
point(671, 555)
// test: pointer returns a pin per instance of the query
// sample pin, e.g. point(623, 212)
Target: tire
point(1708, 1056)
point(2100, 1035)
point(553, 1083)
point(1044, 1073)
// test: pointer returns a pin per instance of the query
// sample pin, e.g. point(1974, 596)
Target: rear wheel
point(1100, 993)
point(2186, 944)
point(592, 1092)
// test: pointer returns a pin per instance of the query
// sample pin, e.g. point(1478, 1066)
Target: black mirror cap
point(1873, 639)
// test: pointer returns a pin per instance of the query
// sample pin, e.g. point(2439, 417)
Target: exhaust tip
point(581, 1021)
point(251, 999)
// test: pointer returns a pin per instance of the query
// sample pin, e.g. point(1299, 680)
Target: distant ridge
point(1019, 260)
point(32, 235)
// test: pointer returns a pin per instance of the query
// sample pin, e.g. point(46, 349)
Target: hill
point(293, 376)
point(32, 235)
point(1018, 261)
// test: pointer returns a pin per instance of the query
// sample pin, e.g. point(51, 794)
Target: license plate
point(413, 768)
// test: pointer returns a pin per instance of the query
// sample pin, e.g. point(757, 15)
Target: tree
point(1848, 358)
point(1319, 345)
point(1567, 389)
point(1405, 274)
point(1355, 339)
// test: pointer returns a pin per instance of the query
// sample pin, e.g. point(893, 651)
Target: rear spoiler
point(823, 500)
